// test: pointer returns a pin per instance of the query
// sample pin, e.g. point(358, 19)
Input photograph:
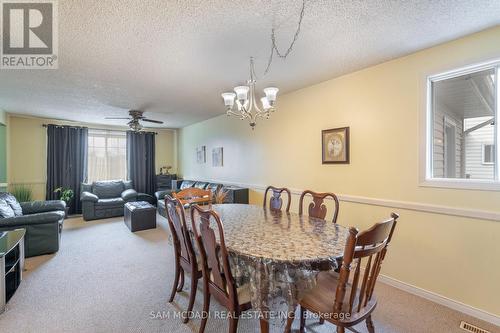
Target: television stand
point(11, 263)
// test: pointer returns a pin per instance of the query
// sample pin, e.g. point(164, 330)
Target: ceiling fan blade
point(152, 121)
point(116, 118)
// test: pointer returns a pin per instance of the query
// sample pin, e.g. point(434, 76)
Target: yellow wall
point(27, 153)
point(455, 257)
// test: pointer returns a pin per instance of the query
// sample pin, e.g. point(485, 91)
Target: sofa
point(234, 194)
point(104, 199)
point(43, 221)
point(179, 185)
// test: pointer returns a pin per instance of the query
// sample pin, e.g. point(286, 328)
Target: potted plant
point(23, 193)
point(66, 195)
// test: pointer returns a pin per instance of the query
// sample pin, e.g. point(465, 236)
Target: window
point(462, 127)
point(107, 155)
point(488, 154)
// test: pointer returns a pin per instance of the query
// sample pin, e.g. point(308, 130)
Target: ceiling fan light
point(271, 93)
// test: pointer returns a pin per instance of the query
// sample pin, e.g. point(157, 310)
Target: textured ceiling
point(174, 58)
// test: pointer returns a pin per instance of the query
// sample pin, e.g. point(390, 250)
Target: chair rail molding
point(407, 205)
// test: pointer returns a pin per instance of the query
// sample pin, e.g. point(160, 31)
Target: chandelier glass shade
point(247, 106)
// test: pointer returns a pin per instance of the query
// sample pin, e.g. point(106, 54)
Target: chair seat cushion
point(107, 203)
point(322, 297)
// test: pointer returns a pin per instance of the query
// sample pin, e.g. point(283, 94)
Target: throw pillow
point(14, 204)
point(5, 209)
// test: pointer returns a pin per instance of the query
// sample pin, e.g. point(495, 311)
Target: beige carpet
point(107, 279)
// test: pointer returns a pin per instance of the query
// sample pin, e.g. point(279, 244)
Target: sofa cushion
point(187, 184)
point(129, 195)
point(201, 185)
point(127, 185)
point(12, 202)
point(33, 207)
point(109, 203)
point(86, 187)
point(32, 219)
point(108, 189)
point(5, 210)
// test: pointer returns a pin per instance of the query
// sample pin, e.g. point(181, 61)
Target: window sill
point(462, 184)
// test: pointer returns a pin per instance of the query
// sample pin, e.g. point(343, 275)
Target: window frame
point(483, 155)
point(106, 135)
point(426, 147)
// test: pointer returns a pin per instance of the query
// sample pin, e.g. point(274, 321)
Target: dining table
point(279, 255)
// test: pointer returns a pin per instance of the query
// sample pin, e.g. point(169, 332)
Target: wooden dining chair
point(345, 301)
point(275, 201)
point(185, 256)
point(317, 208)
point(193, 195)
point(218, 281)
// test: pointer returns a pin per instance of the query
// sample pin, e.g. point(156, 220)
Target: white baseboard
point(445, 301)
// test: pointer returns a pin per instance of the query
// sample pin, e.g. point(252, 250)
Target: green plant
point(66, 194)
point(22, 192)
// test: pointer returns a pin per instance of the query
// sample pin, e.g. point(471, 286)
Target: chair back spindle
point(177, 223)
point(317, 207)
point(370, 246)
point(276, 201)
point(214, 255)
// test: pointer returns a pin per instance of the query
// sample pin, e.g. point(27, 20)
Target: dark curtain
point(141, 161)
point(66, 162)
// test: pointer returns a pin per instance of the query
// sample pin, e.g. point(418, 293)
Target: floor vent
point(471, 328)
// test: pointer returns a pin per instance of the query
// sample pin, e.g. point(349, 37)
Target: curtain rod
point(97, 129)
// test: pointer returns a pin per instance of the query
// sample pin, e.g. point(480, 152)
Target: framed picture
point(217, 157)
point(201, 156)
point(335, 145)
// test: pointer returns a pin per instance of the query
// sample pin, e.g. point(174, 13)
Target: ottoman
point(139, 215)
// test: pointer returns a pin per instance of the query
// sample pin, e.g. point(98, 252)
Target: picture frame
point(201, 155)
point(218, 157)
point(335, 145)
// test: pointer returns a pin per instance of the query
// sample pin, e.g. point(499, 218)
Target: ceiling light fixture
point(244, 96)
point(246, 103)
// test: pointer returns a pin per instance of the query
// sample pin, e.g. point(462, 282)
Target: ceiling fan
point(135, 118)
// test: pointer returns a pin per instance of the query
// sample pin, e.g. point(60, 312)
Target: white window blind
point(107, 155)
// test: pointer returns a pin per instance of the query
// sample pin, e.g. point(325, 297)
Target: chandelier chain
point(274, 46)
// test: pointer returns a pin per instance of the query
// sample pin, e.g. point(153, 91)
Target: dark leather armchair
point(106, 199)
point(43, 221)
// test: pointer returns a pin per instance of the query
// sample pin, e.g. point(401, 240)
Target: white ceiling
point(174, 58)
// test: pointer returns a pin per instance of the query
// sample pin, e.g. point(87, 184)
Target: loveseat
point(43, 221)
point(103, 199)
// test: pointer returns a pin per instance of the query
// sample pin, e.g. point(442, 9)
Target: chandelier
point(247, 106)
